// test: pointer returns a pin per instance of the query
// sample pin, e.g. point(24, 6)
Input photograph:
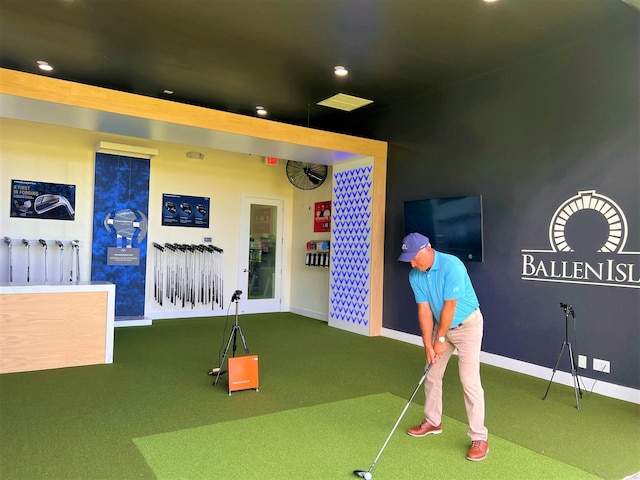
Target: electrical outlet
point(207, 239)
point(601, 365)
point(582, 361)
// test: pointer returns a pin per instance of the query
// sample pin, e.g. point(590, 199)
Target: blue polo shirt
point(447, 279)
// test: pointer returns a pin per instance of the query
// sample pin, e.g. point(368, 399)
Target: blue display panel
point(120, 208)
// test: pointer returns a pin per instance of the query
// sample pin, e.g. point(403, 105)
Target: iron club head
point(46, 202)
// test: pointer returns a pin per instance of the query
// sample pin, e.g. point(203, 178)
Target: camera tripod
point(235, 330)
point(576, 378)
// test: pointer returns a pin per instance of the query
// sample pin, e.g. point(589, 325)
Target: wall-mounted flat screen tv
point(453, 225)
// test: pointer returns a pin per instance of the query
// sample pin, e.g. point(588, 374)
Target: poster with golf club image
point(30, 199)
point(185, 211)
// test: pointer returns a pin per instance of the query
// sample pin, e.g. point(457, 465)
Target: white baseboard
point(131, 322)
point(174, 314)
point(309, 313)
point(591, 385)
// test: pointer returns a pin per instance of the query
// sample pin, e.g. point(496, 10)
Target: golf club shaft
point(26, 243)
point(9, 243)
point(61, 246)
point(424, 375)
point(44, 244)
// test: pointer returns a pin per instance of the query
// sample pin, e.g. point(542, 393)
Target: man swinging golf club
point(449, 318)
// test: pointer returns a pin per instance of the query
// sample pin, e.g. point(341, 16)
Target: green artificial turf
point(79, 423)
point(329, 441)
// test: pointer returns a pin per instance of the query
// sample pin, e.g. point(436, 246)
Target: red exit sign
point(271, 161)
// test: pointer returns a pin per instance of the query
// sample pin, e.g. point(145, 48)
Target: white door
point(260, 259)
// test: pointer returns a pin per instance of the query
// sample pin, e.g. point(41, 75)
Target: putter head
point(202, 210)
point(43, 243)
point(25, 242)
point(170, 207)
point(59, 243)
point(186, 208)
point(7, 240)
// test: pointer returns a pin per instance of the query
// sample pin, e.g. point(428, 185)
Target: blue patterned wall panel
point(120, 208)
point(351, 248)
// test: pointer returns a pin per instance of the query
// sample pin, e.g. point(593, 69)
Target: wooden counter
point(55, 326)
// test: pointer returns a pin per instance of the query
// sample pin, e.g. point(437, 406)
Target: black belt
point(462, 323)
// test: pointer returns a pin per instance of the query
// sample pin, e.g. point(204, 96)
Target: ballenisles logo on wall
point(587, 235)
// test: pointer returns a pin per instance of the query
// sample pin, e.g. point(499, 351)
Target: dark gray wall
point(529, 137)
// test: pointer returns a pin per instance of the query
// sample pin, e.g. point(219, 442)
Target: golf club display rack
point(318, 253)
point(188, 275)
point(51, 317)
point(40, 261)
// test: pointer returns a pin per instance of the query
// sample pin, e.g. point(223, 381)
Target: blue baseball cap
point(411, 245)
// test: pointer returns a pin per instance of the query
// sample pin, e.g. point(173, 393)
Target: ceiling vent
point(345, 102)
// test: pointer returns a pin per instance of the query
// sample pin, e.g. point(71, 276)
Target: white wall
point(46, 153)
point(309, 285)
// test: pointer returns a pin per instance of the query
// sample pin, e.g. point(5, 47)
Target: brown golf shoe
point(425, 428)
point(478, 450)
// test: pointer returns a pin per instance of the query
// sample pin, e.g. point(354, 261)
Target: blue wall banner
point(185, 211)
point(43, 200)
point(120, 208)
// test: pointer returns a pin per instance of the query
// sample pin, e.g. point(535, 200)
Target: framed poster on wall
point(322, 217)
point(185, 211)
point(30, 199)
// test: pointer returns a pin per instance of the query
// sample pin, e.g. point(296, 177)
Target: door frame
point(245, 305)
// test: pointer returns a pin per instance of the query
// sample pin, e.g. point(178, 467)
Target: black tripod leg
point(244, 342)
point(554, 371)
point(224, 356)
point(574, 373)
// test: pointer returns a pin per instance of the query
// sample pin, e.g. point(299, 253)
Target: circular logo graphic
point(589, 200)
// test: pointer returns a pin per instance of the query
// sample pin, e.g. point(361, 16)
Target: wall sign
point(43, 200)
point(185, 211)
point(322, 217)
point(606, 263)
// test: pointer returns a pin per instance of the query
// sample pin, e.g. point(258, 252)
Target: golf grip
point(424, 375)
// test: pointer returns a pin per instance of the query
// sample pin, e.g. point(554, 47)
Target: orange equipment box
point(243, 373)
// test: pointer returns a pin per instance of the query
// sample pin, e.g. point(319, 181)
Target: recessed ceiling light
point(42, 65)
point(261, 111)
point(490, 1)
point(340, 71)
point(168, 92)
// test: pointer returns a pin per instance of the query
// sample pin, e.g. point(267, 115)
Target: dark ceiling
point(234, 55)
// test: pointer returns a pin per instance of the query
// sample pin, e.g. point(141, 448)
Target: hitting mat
point(329, 441)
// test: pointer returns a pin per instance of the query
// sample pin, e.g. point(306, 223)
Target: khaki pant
point(467, 338)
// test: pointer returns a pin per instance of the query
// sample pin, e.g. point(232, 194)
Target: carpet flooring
point(329, 441)
point(80, 423)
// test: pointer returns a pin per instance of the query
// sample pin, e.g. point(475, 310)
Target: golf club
point(61, 246)
point(157, 272)
point(75, 244)
point(44, 244)
point(25, 242)
point(7, 240)
point(366, 474)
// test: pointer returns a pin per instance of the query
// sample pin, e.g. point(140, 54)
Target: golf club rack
point(41, 262)
point(187, 275)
